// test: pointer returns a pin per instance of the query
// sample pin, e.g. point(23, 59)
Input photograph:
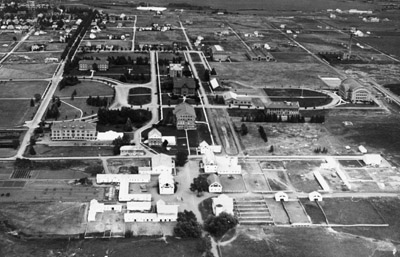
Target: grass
point(27, 71)
point(15, 112)
point(72, 151)
point(86, 88)
point(32, 57)
point(139, 96)
point(156, 37)
point(81, 104)
point(12, 89)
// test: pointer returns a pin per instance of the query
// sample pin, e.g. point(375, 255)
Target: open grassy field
point(156, 37)
point(15, 112)
point(79, 103)
point(301, 242)
point(86, 88)
point(27, 71)
point(139, 96)
point(21, 89)
point(279, 74)
point(72, 151)
point(26, 46)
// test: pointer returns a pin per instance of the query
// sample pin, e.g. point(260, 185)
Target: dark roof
point(181, 82)
point(93, 61)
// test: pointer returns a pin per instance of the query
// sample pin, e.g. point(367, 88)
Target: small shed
point(315, 196)
point(281, 196)
point(362, 149)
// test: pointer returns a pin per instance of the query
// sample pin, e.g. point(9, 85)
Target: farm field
point(27, 71)
point(279, 74)
point(156, 37)
point(72, 151)
point(32, 57)
point(22, 89)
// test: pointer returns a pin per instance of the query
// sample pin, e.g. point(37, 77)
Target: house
point(222, 203)
point(166, 184)
point(50, 60)
point(214, 184)
point(209, 163)
point(184, 86)
point(203, 146)
point(259, 54)
point(73, 130)
point(233, 99)
point(155, 137)
point(175, 70)
point(85, 65)
point(214, 83)
point(353, 91)
point(185, 116)
point(281, 196)
point(218, 54)
point(283, 108)
point(315, 196)
point(228, 165)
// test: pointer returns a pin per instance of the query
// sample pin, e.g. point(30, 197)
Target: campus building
point(73, 130)
point(184, 86)
point(155, 137)
point(218, 54)
point(85, 65)
point(283, 108)
point(233, 99)
point(185, 116)
point(353, 91)
point(175, 70)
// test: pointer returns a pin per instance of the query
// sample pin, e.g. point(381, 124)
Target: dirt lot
point(287, 138)
point(296, 212)
point(256, 183)
point(313, 211)
point(114, 165)
point(45, 218)
point(232, 183)
point(351, 211)
point(301, 242)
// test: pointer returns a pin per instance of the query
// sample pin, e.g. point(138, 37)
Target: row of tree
point(123, 60)
point(97, 101)
point(68, 81)
point(114, 117)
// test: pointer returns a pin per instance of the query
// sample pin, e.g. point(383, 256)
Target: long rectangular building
point(73, 130)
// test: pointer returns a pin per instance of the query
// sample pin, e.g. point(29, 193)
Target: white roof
point(130, 217)
point(138, 206)
point(154, 133)
point(166, 178)
point(229, 95)
point(109, 135)
point(218, 48)
point(214, 83)
point(118, 178)
point(161, 160)
point(171, 139)
point(166, 209)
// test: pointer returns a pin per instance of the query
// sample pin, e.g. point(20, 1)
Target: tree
point(128, 125)
point(165, 144)
point(219, 225)
point(37, 97)
point(262, 133)
point(181, 158)
point(187, 226)
point(200, 184)
point(271, 149)
point(32, 102)
point(32, 150)
point(244, 129)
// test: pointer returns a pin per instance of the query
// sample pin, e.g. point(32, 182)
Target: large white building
point(164, 213)
point(73, 130)
point(160, 164)
point(353, 91)
point(222, 203)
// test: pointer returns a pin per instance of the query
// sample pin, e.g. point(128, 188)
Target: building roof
point(175, 66)
point(109, 135)
point(138, 206)
point(74, 125)
point(164, 208)
point(184, 82)
point(130, 148)
point(217, 48)
point(154, 133)
point(166, 178)
point(184, 109)
point(229, 95)
point(350, 84)
point(214, 83)
point(213, 178)
point(93, 61)
point(161, 160)
point(283, 105)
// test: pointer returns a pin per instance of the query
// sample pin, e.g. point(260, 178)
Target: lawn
point(232, 183)
point(72, 151)
point(256, 183)
point(81, 104)
point(306, 98)
point(32, 57)
point(156, 37)
point(86, 88)
point(316, 215)
point(139, 96)
point(21, 89)
point(395, 88)
point(15, 112)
